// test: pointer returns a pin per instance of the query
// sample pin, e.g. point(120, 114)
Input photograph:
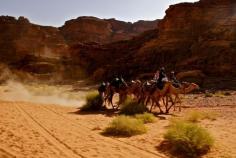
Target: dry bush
point(146, 117)
point(194, 116)
point(125, 126)
point(208, 94)
point(94, 102)
point(188, 139)
point(197, 116)
point(132, 107)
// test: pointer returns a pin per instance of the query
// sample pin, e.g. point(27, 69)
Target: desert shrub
point(188, 139)
point(210, 115)
point(125, 126)
point(196, 116)
point(146, 117)
point(93, 102)
point(132, 107)
point(227, 93)
point(207, 94)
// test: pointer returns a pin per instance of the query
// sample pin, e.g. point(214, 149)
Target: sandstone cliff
point(192, 36)
point(43, 50)
point(92, 29)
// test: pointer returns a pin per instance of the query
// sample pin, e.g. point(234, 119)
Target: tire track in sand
point(79, 125)
point(60, 145)
point(6, 154)
point(74, 134)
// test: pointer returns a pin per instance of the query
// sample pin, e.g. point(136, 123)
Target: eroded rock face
point(92, 29)
point(192, 36)
point(19, 38)
point(25, 46)
point(202, 35)
point(197, 36)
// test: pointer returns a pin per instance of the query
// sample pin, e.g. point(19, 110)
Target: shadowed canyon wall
point(198, 36)
point(44, 50)
point(192, 36)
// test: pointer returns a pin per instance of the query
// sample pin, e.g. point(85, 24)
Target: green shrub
point(93, 102)
point(146, 117)
point(132, 107)
point(125, 126)
point(188, 139)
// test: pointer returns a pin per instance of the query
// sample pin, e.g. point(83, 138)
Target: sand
point(41, 130)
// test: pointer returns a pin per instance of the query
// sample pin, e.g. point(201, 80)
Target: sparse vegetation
point(210, 115)
point(125, 126)
point(227, 93)
point(220, 94)
point(132, 107)
point(93, 102)
point(146, 117)
point(208, 94)
point(188, 139)
point(196, 116)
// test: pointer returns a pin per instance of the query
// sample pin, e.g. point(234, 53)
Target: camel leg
point(147, 100)
point(172, 104)
point(151, 106)
point(122, 98)
point(110, 98)
point(165, 102)
point(159, 106)
point(180, 103)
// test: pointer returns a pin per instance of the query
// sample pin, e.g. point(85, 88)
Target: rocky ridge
point(192, 36)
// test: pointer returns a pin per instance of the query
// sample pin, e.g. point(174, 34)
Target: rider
point(102, 88)
point(162, 78)
point(116, 82)
point(174, 80)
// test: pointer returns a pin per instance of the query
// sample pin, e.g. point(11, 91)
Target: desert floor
point(49, 130)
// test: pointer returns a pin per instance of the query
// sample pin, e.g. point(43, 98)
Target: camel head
point(195, 86)
point(189, 87)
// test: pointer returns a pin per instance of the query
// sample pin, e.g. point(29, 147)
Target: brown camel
point(108, 96)
point(159, 94)
point(135, 88)
point(147, 88)
point(122, 90)
point(185, 88)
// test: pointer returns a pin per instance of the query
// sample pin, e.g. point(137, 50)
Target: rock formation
point(92, 29)
point(44, 50)
point(192, 36)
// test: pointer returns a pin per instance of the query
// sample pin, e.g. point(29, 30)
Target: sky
point(56, 12)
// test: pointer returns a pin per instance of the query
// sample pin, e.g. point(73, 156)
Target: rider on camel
point(161, 78)
point(174, 80)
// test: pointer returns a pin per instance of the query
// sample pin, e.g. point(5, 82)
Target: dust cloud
point(41, 93)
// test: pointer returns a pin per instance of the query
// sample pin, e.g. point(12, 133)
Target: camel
point(105, 92)
point(150, 92)
point(147, 88)
point(122, 90)
point(185, 88)
point(159, 94)
point(135, 88)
